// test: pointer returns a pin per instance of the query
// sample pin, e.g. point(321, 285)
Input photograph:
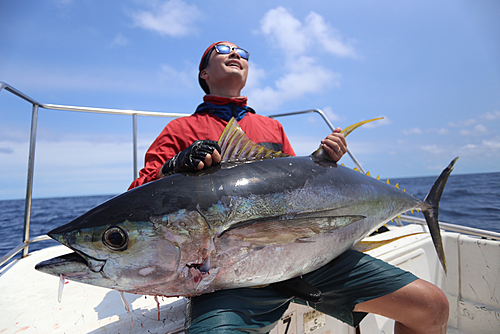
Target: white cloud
point(413, 131)
point(491, 116)
point(443, 131)
point(284, 30)
point(327, 36)
point(457, 124)
point(478, 130)
point(491, 144)
point(295, 37)
point(433, 149)
point(332, 116)
point(364, 147)
point(177, 79)
point(302, 71)
point(375, 124)
point(468, 147)
point(304, 78)
point(119, 40)
point(255, 75)
point(174, 18)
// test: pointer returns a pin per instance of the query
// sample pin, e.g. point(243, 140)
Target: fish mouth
point(74, 265)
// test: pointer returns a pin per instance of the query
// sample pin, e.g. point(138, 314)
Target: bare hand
point(335, 145)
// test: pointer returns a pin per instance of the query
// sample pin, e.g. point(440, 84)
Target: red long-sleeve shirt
point(182, 132)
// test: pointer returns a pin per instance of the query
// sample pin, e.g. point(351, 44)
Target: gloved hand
point(189, 159)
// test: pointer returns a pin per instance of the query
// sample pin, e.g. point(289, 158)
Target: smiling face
point(226, 74)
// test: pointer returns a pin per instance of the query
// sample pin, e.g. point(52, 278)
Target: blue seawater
point(46, 214)
point(468, 199)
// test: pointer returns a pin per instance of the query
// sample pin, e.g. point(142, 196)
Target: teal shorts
point(348, 280)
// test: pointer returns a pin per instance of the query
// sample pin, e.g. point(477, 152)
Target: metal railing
point(32, 146)
point(24, 246)
point(454, 228)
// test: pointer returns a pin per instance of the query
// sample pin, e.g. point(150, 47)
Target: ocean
point(470, 199)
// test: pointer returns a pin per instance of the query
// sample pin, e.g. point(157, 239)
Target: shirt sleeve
point(287, 147)
point(165, 146)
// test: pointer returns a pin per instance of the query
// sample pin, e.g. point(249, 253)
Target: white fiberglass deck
point(29, 299)
point(29, 304)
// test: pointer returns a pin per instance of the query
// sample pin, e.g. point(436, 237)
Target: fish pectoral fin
point(278, 230)
point(332, 213)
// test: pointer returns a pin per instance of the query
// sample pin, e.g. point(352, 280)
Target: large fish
point(246, 222)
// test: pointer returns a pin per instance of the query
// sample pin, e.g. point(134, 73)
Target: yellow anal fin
point(365, 246)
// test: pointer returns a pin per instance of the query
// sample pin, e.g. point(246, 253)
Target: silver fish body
point(234, 225)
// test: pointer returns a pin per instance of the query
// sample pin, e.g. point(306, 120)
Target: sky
point(430, 68)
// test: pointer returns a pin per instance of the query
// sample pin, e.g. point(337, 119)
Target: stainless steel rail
point(32, 146)
point(454, 228)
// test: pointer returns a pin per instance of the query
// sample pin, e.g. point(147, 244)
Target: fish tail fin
point(431, 211)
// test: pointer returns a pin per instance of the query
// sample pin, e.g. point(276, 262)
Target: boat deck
point(30, 298)
point(29, 303)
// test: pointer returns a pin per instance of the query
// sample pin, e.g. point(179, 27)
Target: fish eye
point(115, 238)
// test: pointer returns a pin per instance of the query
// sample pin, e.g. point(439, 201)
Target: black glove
point(188, 159)
point(298, 287)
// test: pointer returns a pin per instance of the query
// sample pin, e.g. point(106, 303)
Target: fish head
point(116, 250)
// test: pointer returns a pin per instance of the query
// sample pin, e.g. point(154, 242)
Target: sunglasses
point(224, 49)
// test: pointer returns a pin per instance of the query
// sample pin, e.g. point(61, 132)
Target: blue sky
point(431, 68)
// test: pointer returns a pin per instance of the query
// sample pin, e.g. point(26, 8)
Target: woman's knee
point(417, 305)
